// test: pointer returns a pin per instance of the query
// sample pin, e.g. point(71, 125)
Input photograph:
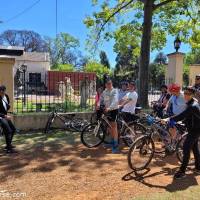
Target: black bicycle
point(98, 132)
point(68, 122)
point(143, 149)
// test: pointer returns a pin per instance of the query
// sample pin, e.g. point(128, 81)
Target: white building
point(37, 65)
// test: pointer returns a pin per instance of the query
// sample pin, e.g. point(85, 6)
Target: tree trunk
point(145, 53)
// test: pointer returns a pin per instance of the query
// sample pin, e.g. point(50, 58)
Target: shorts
point(112, 115)
point(128, 117)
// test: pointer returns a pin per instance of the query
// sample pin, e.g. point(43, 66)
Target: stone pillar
point(174, 71)
point(193, 71)
point(7, 77)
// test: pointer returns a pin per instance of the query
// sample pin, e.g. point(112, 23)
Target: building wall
point(54, 77)
point(38, 121)
point(6, 77)
point(36, 63)
point(193, 71)
point(34, 67)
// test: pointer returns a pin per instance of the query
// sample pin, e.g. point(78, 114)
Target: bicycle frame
point(60, 117)
point(105, 119)
point(156, 127)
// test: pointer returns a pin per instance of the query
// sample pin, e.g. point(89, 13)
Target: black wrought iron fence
point(65, 91)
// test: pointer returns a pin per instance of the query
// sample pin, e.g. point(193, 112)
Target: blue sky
point(41, 18)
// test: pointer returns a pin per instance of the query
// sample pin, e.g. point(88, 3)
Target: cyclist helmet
point(174, 87)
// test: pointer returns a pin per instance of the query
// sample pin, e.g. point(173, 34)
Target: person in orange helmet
point(176, 105)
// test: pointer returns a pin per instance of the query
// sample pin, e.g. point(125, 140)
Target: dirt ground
point(59, 167)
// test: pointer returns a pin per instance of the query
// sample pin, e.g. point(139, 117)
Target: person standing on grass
point(109, 100)
point(5, 119)
point(191, 117)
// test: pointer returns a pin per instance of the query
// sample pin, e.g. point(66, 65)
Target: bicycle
point(96, 133)
point(70, 123)
point(143, 149)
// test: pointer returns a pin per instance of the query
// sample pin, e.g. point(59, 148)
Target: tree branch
point(121, 7)
point(163, 3)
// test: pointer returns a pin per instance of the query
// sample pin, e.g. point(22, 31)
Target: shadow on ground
point(175, 185)
point(39, 152)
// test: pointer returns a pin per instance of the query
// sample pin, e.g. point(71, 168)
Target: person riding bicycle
point(109, 100)
point(160, 105)
point(191, 117)
point(176, 105)
point(129, 103)
point(197, 87)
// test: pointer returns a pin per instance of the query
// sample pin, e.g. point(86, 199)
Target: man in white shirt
point(129, 103)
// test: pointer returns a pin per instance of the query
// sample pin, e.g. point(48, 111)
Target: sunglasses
point(198, 78)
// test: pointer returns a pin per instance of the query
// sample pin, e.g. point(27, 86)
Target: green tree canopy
point(104, 59)
point(193, 57)
point(145, 24)
point(62, 48)
point(126, 64)
point(98, 68)
point(64, 67)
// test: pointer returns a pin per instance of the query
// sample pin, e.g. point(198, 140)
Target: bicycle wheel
point(49, 123)
point(179, 150)
point(141, 153)
point(132, 132)
point(92, 135)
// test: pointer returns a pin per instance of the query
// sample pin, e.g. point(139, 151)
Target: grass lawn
point(67, 106)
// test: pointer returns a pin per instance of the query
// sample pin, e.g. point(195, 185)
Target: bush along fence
point(64, 91)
